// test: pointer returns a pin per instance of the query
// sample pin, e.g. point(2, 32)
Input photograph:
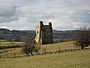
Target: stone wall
point(44, 33)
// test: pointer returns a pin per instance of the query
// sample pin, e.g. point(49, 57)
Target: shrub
point(30, 48)
point(82, 37)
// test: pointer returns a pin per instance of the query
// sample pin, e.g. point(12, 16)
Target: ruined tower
point(44, 33)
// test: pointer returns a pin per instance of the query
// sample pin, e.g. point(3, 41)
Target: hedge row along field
point(6, 45)
point(44, 49)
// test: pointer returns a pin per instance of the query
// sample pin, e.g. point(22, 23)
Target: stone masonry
point(44, 33)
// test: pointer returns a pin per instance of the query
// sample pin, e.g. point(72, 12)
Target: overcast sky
point(26, 14)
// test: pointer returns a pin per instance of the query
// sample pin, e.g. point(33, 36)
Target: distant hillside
point(60, 36)
point(21, 32)
point(16, 35)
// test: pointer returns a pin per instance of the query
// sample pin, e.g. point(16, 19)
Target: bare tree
point(82, 37)
point(30, 46)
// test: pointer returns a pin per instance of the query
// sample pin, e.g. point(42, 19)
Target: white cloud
point(7, 13)
point(65, 14)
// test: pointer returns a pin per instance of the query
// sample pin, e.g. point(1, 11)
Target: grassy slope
point(57, 46)
point(11, 43)
point(75, 59)
point(49, 47)
point(62, 45)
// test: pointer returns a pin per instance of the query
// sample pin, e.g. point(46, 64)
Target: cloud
point(81, 16)
point(65, 14)
point(7, 13)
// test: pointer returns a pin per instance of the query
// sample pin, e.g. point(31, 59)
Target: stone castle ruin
point(44, 33)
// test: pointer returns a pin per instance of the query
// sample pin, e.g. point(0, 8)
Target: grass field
point(49, 47)
point(11, 43)
point(56, 46)
point(73, 59)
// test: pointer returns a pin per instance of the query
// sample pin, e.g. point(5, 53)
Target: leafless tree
point(30, 46)
point(82, 37)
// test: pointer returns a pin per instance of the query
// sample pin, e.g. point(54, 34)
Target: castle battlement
point(44, 33)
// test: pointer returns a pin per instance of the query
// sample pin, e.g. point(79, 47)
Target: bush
point(82, 37)
point(29, 48)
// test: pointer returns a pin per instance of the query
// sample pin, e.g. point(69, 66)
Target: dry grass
point(11, 43)
point(75, 59)
point(57, 46)
point(70, 59)
point(12, 52)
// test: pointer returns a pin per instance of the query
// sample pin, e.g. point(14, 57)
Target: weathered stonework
point(44, 33)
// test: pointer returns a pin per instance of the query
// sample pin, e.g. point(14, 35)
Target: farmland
point(43, 48)
point(72, 59)
point(14, 58)
point(48, 48)
point(11, 43)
